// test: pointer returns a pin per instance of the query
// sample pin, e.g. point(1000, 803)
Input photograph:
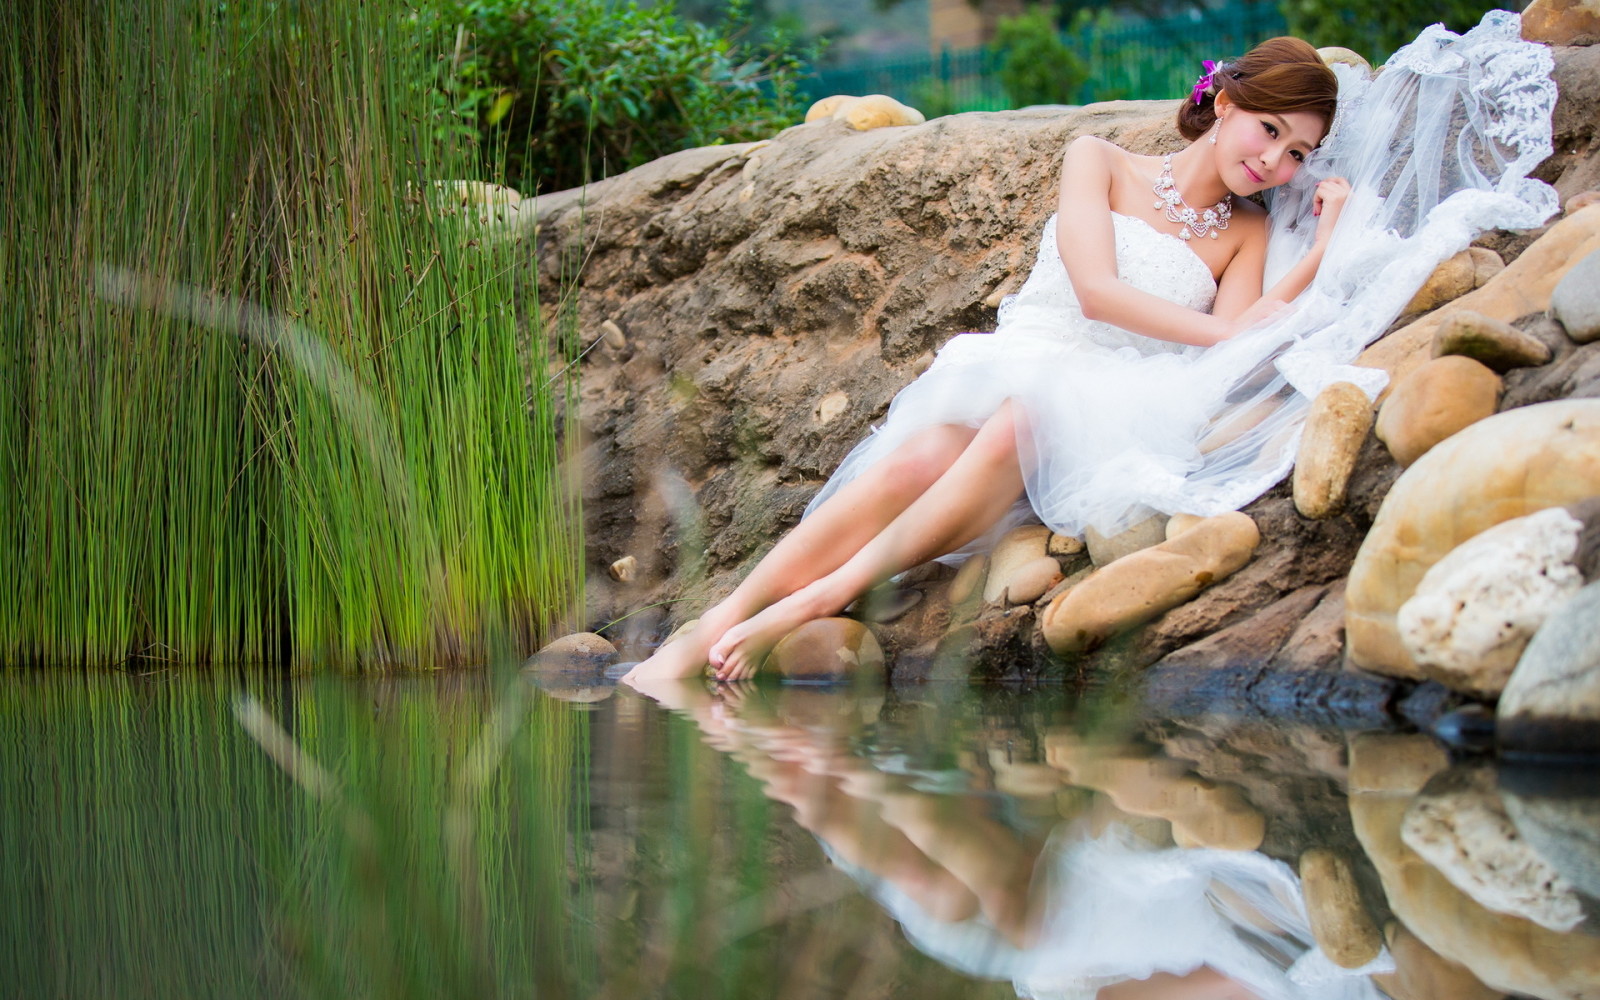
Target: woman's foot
point(687, 655)
point(744, 647)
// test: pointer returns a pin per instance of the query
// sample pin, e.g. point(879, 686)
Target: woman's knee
point(916, 464)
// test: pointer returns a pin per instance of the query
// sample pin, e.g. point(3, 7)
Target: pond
point(472, 834)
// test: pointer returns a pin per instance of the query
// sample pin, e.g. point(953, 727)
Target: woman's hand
point(1329, 202)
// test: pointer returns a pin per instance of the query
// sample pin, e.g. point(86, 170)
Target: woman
point(1117, 382)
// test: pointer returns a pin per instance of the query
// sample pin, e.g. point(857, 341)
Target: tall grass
point(262, 395)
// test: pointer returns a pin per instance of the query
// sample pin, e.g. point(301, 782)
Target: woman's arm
point(1088, 248)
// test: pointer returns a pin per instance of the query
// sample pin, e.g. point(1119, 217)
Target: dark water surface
point(470, 835)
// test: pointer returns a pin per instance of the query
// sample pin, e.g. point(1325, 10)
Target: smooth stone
point(876, 111)
point(827, 649)
point(1177, 524)
point(1063, 546)
point(612, 336)
point(1032, 580)
point(1523, 287)
point(1576, 300)
point(968, 579)
point(1453, 278)
point(624, 570)
point(1511, 464)
point(1485, 265)
point(1437, 400)
point(1474, 610)
point(1138, 587)
point(1340, 923)
point(827, 106)
point(1335, 429)
point(577, 651)
point(1459, 825)
point(1105, 549)
point(830, 407)
point(1581, 201)
point(1334, 54)
point(1420, 973)
point(1562, 22)
point(885, 604)
point(1551, 704)
point(1018, 547)
point(1393, 763)
point(1493, 343)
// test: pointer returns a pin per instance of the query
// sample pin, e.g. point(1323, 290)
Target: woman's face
point(1256, 150)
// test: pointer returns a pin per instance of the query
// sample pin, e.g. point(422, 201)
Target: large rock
point(1136, 588)
point(1433, 402)
point(1459, 825)
point(1455, 277)
point(1576, 300)
point(1562, 22)
point(1335, 429)
point(1475, 609)
point(1551, 704)
point(1523, 287)
point(1511, 464)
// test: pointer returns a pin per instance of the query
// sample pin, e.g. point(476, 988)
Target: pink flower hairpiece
point(1204, 83)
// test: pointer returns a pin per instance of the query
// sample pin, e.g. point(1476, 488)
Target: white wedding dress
point(1114, 425)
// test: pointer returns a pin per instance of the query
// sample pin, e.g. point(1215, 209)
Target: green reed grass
point(263, 394)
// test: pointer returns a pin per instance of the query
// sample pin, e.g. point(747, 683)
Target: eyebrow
point(1283, 125)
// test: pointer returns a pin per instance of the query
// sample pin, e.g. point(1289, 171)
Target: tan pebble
point(1437, 400)
point(1020, 546)
point(1485, 265)
point(612, 336)
point(968, 579)
point(1031, 580)
point(1063, 545)
point(876, 111)
point(827, 648)
point(624, 569)
point(1452, 279)
point(1579, 202)
point(579, 650)
point(830, 406)
point(1335, 430)
point(1396, 764)
point(1340, 923)
point(1491, 342)
point(1105, 549)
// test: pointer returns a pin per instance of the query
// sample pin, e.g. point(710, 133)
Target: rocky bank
point(752, 309)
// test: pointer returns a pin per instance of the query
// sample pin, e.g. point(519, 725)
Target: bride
point(1152, 361)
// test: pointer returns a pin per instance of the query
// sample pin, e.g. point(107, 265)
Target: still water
point(473, 835)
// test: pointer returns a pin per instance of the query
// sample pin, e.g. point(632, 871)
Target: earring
point(1215, 129)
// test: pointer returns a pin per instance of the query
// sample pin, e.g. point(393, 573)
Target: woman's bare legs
point(974, 492)
point(818, 545)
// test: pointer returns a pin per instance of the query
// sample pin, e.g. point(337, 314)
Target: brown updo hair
point(1279, 76)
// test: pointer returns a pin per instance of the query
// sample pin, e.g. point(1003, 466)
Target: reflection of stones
point(1511, 464)
point(1505, 952)
point(1202, 814)
point(1475, 609)
point(1552, 702)
point(1339, 920)
point(1558, 811)
point(1459, 825)
point(827, 649)
point(1434, 402)
point(1335, 429)
point(1491, 342)
point(1138, 587)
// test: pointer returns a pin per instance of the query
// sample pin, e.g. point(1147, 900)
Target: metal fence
point(1126, 57)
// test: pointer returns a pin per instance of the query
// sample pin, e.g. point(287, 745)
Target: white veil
point(1437, 149)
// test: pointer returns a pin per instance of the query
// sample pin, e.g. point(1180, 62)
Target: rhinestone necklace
point(1209, 222)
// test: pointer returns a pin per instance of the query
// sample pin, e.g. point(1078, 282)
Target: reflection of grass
point(260, 399)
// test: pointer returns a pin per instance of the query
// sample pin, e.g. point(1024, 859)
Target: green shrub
point(575, 90)
point(1036, 66)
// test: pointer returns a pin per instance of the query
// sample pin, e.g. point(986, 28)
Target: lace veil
point(1437, 148)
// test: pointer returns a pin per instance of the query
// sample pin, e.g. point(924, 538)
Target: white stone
point(1475, 610)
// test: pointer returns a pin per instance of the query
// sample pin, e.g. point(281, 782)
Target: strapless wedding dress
point(1099, 407)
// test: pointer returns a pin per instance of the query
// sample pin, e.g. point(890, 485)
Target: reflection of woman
point(1074, 914)
point(1118, 381)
